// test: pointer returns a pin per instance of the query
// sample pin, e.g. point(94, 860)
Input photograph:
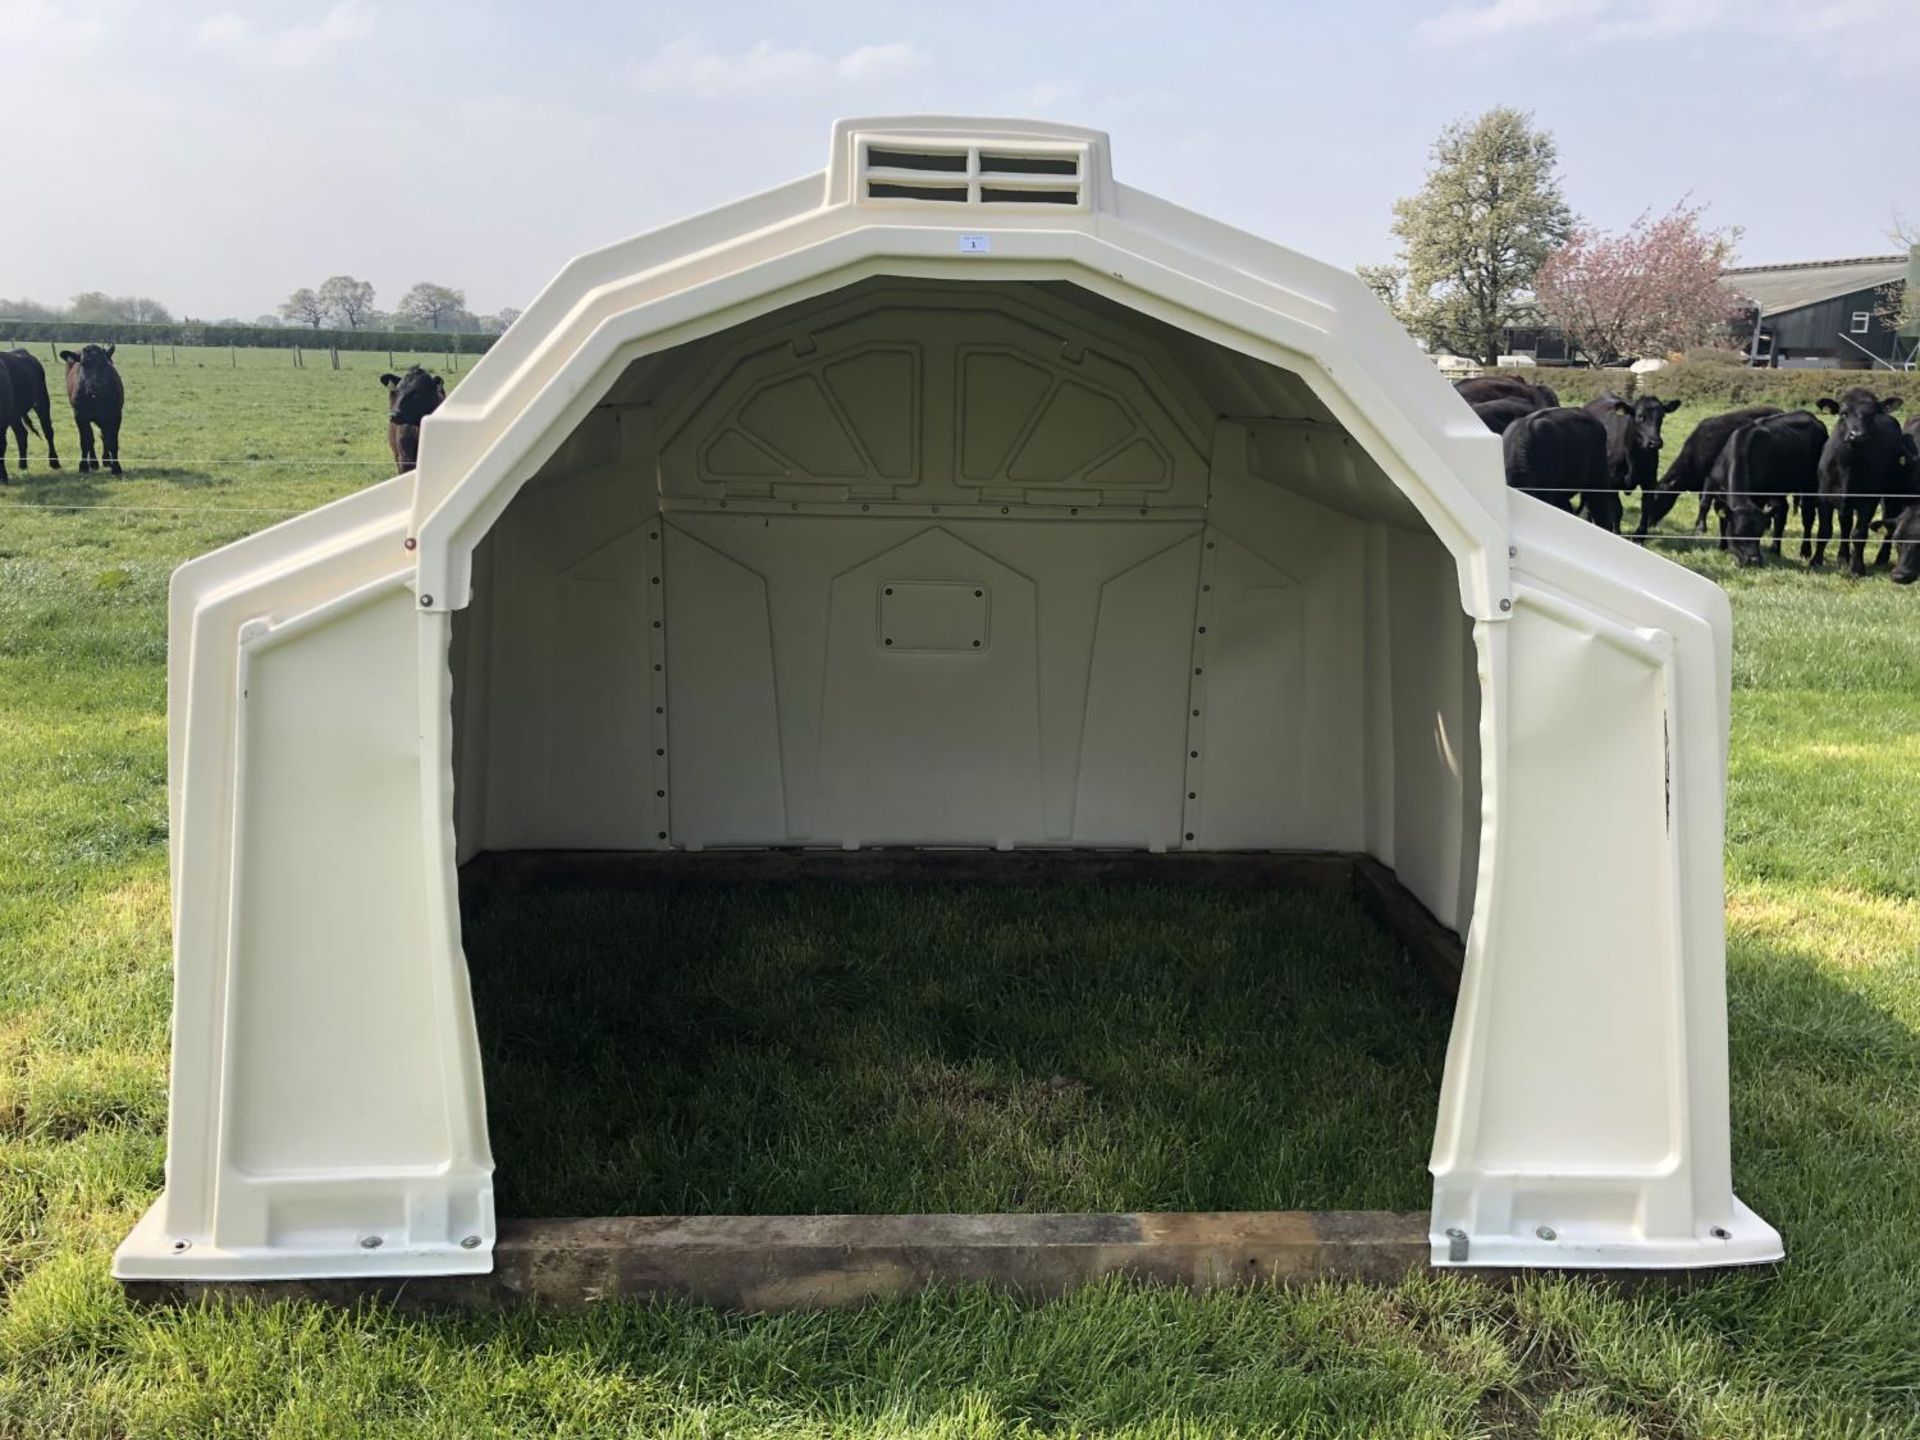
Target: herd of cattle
point(1751, 465)
point(93, 390)
point(99, 399)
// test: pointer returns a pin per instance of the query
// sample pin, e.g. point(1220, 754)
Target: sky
point(217, 156)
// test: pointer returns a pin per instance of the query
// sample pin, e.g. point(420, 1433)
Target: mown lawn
point(949, 1079)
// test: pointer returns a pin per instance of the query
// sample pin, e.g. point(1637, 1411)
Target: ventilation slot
point(1030, 164)
point(999, 195)
point(881, 159)
point(893, 190)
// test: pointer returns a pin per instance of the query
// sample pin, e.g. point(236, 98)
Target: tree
point(1475, 236)
point(25, 309)
point(1650, 290)
point(303, 307)
point(1899, 306)
point(497, 324)
point(347, 300)
point(432, 305)
point(98, 308)
point(140, 310)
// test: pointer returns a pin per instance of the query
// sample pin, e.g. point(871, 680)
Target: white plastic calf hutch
point(956, 497)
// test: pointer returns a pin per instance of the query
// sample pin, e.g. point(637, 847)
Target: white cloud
point(690, 69)
point(1483, 19)
point(45, 29)
point(1878, 23)
point(237, 37)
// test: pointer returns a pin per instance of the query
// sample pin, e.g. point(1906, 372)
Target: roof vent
point(996, 173)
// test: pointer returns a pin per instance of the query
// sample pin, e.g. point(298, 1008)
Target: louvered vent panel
point(961, 174)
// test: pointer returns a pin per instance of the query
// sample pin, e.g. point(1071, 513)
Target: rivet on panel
point(1203, 629)
point(1506, 605)
point(660, 794)
point(1513, 551)
point(1193, 754)
point(181, 1246)
point(426, 602)
point(887, 641)
point(659, 752)
point(370, 1242)
point(663, 834)
point(1546, 1232)
point(1720, 1232)
point(1193, 794)
point(976, 644)
point(470, 1242)
point(411, 543)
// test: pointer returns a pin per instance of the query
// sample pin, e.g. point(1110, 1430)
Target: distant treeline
point(195, 332)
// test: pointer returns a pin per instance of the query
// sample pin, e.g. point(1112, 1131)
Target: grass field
point(1824, 930)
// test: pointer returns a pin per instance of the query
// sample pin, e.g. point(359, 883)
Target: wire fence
point(321, 356)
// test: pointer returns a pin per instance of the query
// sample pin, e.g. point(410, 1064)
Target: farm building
point(1827, 314)
point(957, 499)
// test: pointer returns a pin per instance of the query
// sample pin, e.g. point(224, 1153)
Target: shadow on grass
point(816, 1049)
point(61, 489)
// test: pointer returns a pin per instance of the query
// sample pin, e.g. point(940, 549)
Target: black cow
point(1692, 466)
point(1757, 475)
point(98, 398)
point(1906, 540)
point(410, 399)
point(29, 386)
point(1497, 415)
point(1906, 531)
point(1633, 435)
point(1865, 462)
point(6, 408)
point(1483, 388)
point(1555, 454)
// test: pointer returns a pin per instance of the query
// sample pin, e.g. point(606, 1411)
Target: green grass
point(1824, 982)
point(981, 1048)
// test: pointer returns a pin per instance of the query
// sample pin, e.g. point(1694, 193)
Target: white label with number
point(976, 244)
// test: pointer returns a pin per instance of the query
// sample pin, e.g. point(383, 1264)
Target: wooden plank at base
point(1434, 948)
point(792, 1262)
